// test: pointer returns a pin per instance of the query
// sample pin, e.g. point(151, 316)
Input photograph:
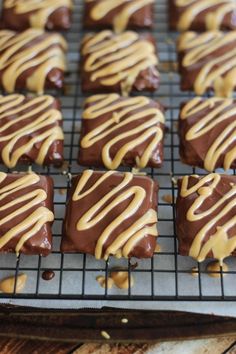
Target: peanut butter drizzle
point(13, 105)
point(114, 59)
point(104, 104)
point(26, 50)
point(219, 72)
point(215, 267)
point(7, 285)
point(219, 243)
point(40, 10)
point(121, 279)
point(213, 19)
point(121, 20)
point(208, 122)
point(126, 241)
point(34, 222)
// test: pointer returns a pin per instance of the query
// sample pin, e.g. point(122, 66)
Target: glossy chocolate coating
point(187, 230)
point(60, 19)
point(92, 156)
point(142, 18)
point(146, 80)
point(41, 242)
point(199, 21)
point(48, 275)
point(54, 155)
point(54, 78)
point(193, 152)
point(85, 241)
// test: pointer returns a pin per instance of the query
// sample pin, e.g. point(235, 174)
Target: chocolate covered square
point(111, 213)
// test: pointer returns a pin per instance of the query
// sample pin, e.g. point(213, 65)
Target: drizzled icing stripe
point(219, 71)
point(121, 19)
point(32, 223)
point(40, 130)
point(218, 242)
point(118, 110)
point(219, 111)
point(213, 19)
point(32, 49)
point(113, 59)
point(126, 241)
point(39, 10)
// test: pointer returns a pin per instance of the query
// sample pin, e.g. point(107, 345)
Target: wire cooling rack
point(167, 276)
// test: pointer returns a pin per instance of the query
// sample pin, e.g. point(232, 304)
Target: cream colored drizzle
point(43, 56)
point(104, 104)
point(114, 59)
point(34, 222)
point(219, 243)
point(209, 122)
point(121, 19)
point(213, 19)
point(14, 105)
point(214, 269)
point(126, 241)
point(41, 10)
point(218, 72)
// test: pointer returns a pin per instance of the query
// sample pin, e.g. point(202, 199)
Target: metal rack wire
point(167, 275)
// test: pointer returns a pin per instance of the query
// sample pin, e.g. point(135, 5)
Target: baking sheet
point(163, 278)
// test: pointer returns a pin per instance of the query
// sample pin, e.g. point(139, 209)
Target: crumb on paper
point(124, 320)
point(167, 198)
point(174, 181)
point(105, 335)
point(62, 191)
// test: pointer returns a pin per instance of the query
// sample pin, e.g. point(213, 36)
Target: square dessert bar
point(202, 15)
point(207, 62)
point(119, 63)
point(30, 130)
point(207, 132)
point(19, 15)
point(111, 213)
point(118, 14)
point(26, 213)
point(206, 216)
point(31, 60)
point(120, 130)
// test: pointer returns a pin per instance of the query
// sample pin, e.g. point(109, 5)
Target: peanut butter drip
point(126, 241)
point(219, 72)
point(219, 243)
point(39, 10)
point(220, 110)
point(35, 120)
point(33, 222)
point(121, 19)
point(214, 17)
point(214, 268)
point(32, 50)
point(117, 59)
point(118, 110)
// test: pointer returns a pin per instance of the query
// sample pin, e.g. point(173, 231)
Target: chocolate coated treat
point(26, 213)
point(119, 63)
point(118, 14)
point(202, 15)
point(121, 131)
point(32, 60)
point(19, 15)
point(30, 130)
point(207, 61)
point(206, 216)
point(207, 132)
point(111, 213)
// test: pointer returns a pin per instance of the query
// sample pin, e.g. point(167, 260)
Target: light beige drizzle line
point(121, 20)
point(219, 243)
point(13, 105)
point(117, 59)
point(42, 56)
point(127, 240)
point(34, 222)
point(104, 104)
point(209, 122)
point(220, 72)
point(41, 10)
point(213, 19)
